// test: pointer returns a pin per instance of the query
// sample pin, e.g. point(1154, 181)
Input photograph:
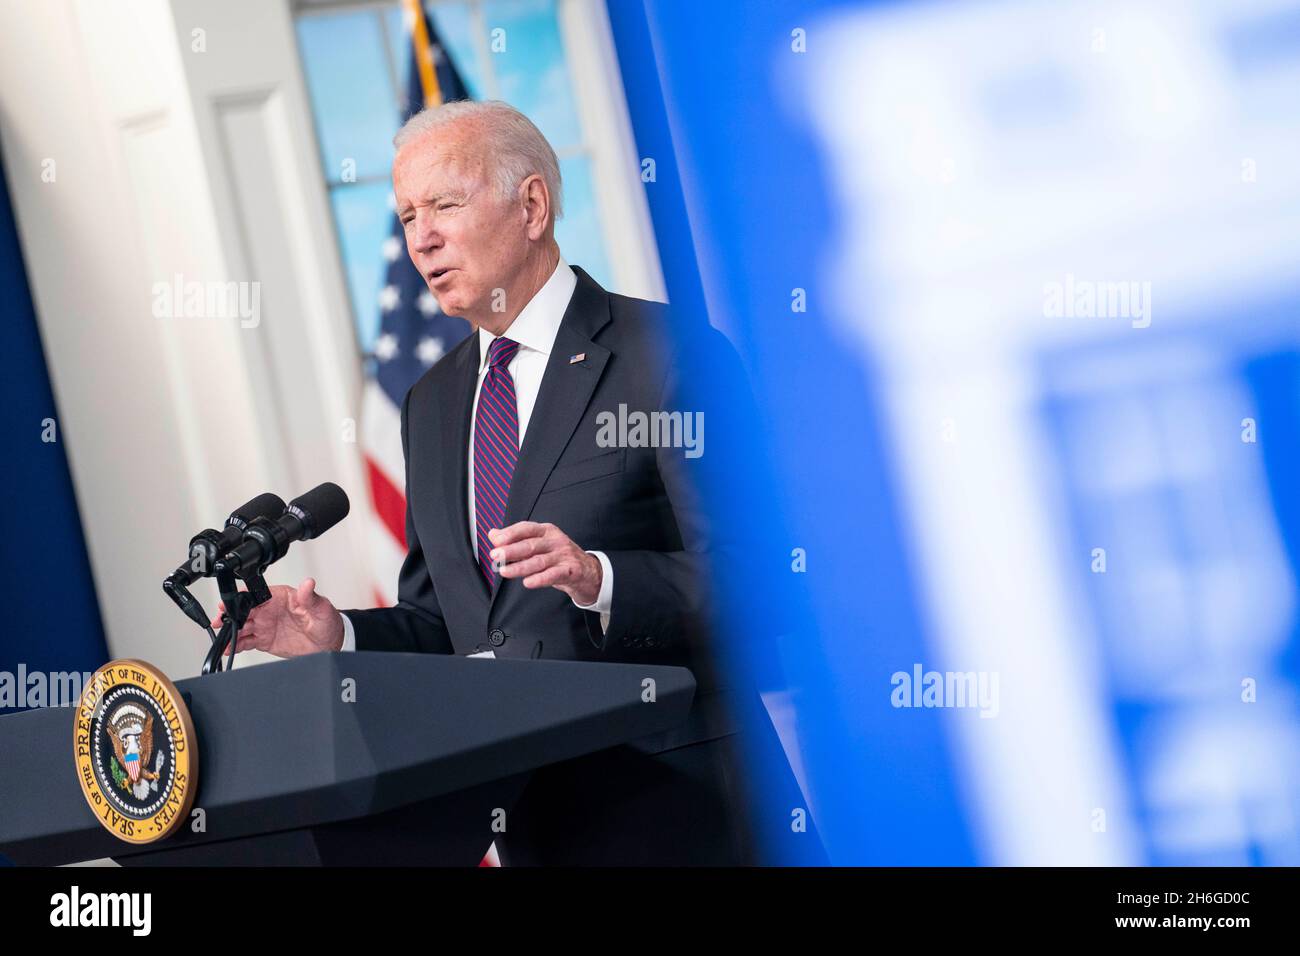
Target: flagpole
point(423, 53)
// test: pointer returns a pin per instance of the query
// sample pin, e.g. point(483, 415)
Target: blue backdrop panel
point(703, 106)
point(51, 615)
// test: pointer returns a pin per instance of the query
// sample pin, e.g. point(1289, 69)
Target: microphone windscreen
point(320, 509)
point(268, 505)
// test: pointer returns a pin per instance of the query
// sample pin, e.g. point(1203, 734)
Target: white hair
point(514, 147)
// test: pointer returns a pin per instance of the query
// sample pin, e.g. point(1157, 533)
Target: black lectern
point(331, 759)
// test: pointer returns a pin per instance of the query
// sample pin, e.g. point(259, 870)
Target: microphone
point(209, 545)
point(266, 541)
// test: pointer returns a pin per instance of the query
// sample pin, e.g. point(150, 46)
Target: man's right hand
point(294, 622)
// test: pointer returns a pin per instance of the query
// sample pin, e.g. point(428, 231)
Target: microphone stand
point(175, 588)
point(239, 604)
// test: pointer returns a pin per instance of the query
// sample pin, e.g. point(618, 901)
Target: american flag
point(413, 334)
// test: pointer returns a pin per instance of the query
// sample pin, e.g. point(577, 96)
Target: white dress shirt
point(534, 328)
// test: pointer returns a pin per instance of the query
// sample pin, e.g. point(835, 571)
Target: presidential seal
point(137, 757)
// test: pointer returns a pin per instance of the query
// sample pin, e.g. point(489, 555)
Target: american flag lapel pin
point(575, 359)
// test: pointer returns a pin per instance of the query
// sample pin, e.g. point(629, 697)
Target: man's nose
point(426, 238)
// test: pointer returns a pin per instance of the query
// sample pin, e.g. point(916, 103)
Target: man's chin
point(458, 307)
point(451, 304)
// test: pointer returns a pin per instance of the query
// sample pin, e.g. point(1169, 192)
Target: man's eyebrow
point(406, 205)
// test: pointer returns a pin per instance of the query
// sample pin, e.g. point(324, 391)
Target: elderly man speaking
point(529, 535)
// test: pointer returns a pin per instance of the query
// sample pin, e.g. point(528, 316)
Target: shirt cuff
point(349, 635)
point(606, 595)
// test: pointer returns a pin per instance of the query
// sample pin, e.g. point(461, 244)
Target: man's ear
point(537, 205)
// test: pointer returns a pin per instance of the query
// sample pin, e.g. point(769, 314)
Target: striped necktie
point(496, 446)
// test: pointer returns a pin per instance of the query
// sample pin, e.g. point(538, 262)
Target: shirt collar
point(537, 324)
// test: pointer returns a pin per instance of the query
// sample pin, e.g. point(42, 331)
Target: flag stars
point(390, 297)
point(429, 350)
point(392, 248)
point(428, 304)
point(386, 347)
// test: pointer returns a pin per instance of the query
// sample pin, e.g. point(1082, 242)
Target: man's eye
point(448, 205)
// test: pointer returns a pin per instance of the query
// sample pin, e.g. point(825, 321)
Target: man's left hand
point(546, 557)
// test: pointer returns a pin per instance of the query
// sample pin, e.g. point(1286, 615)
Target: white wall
point(170, 160)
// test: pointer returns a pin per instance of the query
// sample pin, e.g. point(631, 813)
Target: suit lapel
point(565, 392)
point(457, 400)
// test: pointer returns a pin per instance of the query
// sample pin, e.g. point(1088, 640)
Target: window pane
point(352, 95)
point(364, 223)
point(578, 233)
point(532, 74)
point(453, 23)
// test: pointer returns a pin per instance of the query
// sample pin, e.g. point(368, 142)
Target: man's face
point(463, 237)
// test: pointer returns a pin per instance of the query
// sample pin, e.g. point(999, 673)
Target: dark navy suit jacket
point(643, 507)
